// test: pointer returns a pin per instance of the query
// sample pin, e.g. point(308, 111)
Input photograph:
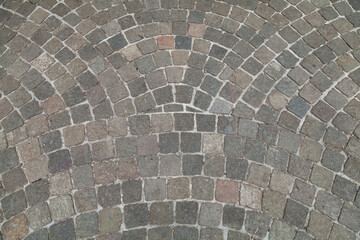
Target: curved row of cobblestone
point(179, 119)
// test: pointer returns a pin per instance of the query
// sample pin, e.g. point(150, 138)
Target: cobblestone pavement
point(180, 119)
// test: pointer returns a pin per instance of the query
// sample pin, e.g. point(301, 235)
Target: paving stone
point(310, 150)
point(250, 196)
point(210, 233)
point(267, 134)
point(313, 128)
point(350, 217)
point(161, 213)
point(281, 230)
point(202, 188)
point(281, 182)
point(335, 138)
point(328, 204)
point(186, 212)
point(311, 63)
point(61, 208)
point(226, 125)
point(15, 203)
point(103, 110)
point(86, 224)
point(148, 165)
point(59, 160)
point(310, 93)
point(259, 175)
point(109, 195)
point(144, 103)
point(135, 234)
point(74, 135)
point(38, 216)
point(160, 232)
point(340, 231)
point(274, 70)
point(10, 157)
point(267, 114)
point(303, 192)
point(15, 228)
point(155, 189)
point(299, 167)
point(85, 200)
point(252, 66)
point(65, 230)
point(352, 109)
point(319, 224)
point(37, 192)
point(257, 223)
point(295, 213)
point(288, 121)
point(287, 86)
point(28, 150)
point(348, 87)
point(273, 203)
point(178, 188)
point(332, 159)
point(192, 164)
point(234, 146)
point(335, 99)
point(181, 232)
point(303, 235)
point(170, 165)
point(214, 165)
point(247, 128)
point(73, 96)
point(276, 44)
point(40, 234)
point(325, 54)
point(109, 220)
point(323, 111)
point(60, 183)
point(343, 188)
point(210, 214)
point(298, 106)
point(83, 177)
point(351, 168)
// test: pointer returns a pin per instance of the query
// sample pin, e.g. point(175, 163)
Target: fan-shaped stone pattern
point(189, 119)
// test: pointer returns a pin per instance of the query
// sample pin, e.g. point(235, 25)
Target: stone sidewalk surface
point(179, 119)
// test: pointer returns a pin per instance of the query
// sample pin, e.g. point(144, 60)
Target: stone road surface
point(179, 119)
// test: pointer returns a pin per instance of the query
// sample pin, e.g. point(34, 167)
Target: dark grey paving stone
point(132, 191)
point(233, 217)
point(287, 59)
point(117, 42)
point(343, 188)
point(192, 164)
point(136, 215)
point(109, 195)
point(184, 232)
point(295, 213)
point(62, 230)
point(30, 109)
point(14, 203)
point(257, 223)
point(183, 42)
point(190, 142)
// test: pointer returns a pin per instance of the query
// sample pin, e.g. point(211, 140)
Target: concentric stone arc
point(179, 119)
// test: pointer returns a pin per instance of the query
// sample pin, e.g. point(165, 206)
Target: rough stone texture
point(184, 119)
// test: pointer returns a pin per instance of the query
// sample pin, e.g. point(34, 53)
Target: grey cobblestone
point(139, 123)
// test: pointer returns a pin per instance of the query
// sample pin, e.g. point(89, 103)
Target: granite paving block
point(179, 119)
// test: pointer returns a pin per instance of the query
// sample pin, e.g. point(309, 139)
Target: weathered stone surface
point(15, 228)
point(159, 115)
